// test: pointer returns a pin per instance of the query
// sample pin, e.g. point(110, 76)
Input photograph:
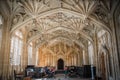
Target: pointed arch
point(85, 36)
point(68, 40)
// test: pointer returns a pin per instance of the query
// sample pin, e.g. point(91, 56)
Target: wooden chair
point(18, 76)
point(27, 78)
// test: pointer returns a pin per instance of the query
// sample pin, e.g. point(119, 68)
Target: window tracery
point(16, 48)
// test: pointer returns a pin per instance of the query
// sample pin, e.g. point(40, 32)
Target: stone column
point(5, 51)
point(81, 58)
point(24, 54)
point(74, 57)
point(33, 53)
point(84, 58)
point(95, 49)
point(116, 33)
point(114, 58)
point(72, 60)
point(86, 54)
point(78, 59)
point(43, 59)
point(67, 60)
point(53, 60)
point(75, 60)
point(40, 58)
point(36, 56)
point(1, 30)
point(51, 57)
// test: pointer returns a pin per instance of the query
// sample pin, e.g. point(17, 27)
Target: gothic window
point(30, 54)
point(1, 20)
point(0, 30)
point(90, 52)
point(36, 56)
point(16, 48)
point(19, 34)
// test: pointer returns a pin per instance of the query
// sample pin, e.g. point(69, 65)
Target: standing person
point(66, 71)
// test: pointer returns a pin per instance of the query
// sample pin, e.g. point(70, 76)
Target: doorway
point(60, 64)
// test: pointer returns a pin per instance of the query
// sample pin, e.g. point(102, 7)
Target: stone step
point(59, 72)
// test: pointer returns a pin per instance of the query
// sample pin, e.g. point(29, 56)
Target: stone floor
point(61, 77)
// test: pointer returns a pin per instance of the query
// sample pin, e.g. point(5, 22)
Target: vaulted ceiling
point(54, 21)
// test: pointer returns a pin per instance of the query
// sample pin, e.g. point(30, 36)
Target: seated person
point(49, 72)
point(52, 70)
point(42, 72)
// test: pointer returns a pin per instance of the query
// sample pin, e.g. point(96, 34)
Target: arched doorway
point(60, 64)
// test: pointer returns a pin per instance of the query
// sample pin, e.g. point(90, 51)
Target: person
point(66, 71)
point(53, 71)
point(48, 72)
point(42, 72)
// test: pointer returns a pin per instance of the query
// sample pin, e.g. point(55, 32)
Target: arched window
point(16, 48)
point(37, 56)
point(90, 52)
point(1, 21)
point(30, 54)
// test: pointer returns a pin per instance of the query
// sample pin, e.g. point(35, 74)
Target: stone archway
point(60, 64)
point(104, 59)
